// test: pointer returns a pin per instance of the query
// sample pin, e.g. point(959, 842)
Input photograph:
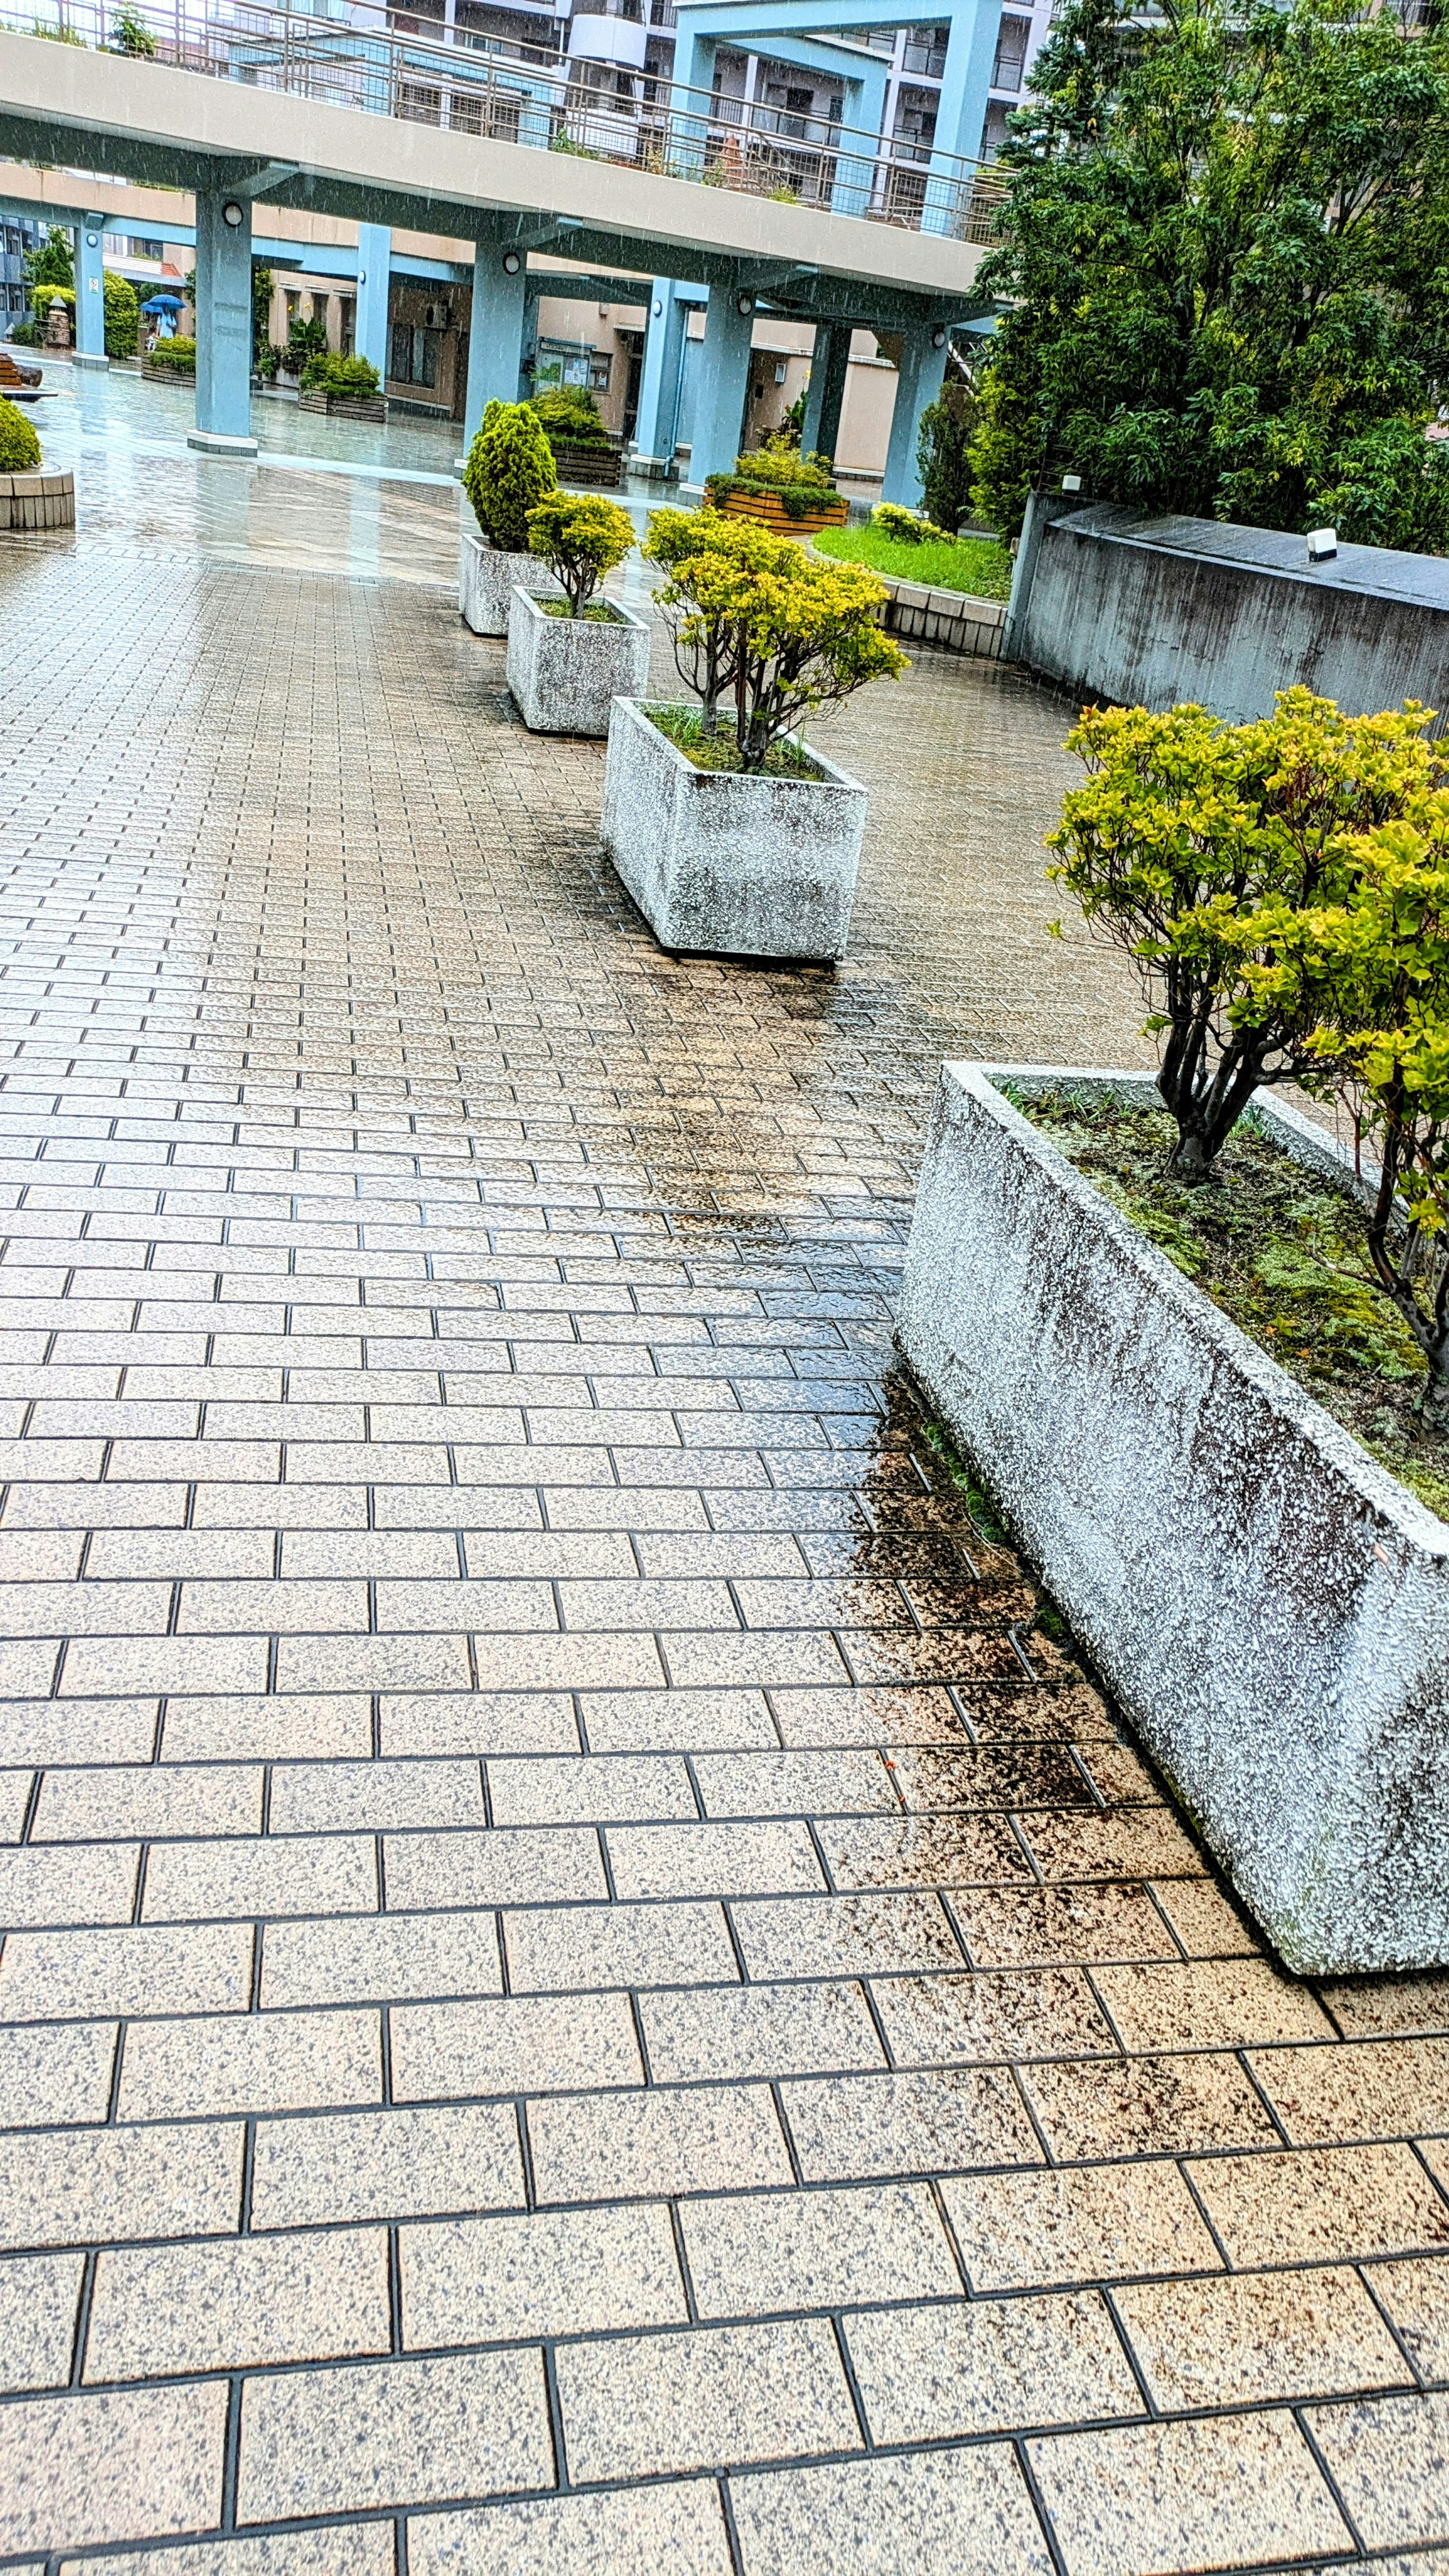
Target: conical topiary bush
point(510, 469)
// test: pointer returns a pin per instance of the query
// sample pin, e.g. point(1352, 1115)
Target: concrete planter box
point(30, 501)
point(565, 672)
point(487, 580)
point(738, 867)
point(344, 406)
point(1269, 1606)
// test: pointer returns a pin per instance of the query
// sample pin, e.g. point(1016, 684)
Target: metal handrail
point(387, 58)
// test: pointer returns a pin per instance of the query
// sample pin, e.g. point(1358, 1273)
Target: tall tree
point(1225, 260)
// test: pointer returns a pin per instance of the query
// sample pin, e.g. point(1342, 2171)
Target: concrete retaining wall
point(1152, 611)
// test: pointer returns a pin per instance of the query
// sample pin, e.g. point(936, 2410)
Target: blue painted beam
point(656, 428)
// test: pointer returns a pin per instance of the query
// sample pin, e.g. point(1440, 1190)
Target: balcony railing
point(382, 58)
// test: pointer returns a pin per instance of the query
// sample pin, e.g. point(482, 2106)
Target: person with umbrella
point(163, 310)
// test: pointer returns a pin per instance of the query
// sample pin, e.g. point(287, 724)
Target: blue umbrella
point(162, 304)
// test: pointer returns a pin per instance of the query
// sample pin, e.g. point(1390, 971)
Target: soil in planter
point(598, 613)
point(720, 750)
point(1280, 1251)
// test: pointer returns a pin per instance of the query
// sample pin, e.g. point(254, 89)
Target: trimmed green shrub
point(51, 263)
point(342, 379)
point(904, 528)
point(580, 539)
point(570, 416)
point(176, 353)
point(19, 446)
point(123, 316)
point(42, 298)
point(799, 483)
point(510, 469)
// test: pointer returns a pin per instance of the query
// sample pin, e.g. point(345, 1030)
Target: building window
point(600, 369)
point(347, 324)
point(143, 247)
point(414, 355)
point(294, 307)
point(320, 307)
point(1010, 63)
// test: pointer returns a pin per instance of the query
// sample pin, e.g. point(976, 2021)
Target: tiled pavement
point(584, 1986)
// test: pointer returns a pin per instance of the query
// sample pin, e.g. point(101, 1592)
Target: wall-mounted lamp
point(1322, 544)
point(657, 307)
point(93, 241)
point(938, 337)
point(511, 263)
point(1071, 482)
point(233, 215)
point(744, 303)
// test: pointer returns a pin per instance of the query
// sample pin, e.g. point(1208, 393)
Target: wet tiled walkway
point(586, 1988)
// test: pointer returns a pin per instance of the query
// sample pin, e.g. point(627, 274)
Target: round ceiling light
point(511, 263)
point(233, 215)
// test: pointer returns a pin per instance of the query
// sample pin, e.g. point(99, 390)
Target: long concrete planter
point(367, 407)
point(1270, 1607)
point(565, 672)
point(30, 501)
point(487, 580)
point(739, 867)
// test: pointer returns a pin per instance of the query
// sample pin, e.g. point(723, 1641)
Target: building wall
point(427, 345)
point(16, 238)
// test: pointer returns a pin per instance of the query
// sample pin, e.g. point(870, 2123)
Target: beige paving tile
point(124, 2466)
point(374, 1960)
point(843, 1935)
point(1160, 2499)
point(607, 2147)
point(1206, 1924)
point(56, 2077)
point(1389, 2457)
point(356, 2549)
point(386, 2164)
point(1366, 2007)
point(712, 1860)
point(1146, 2105)
point(1042, 2012)
point(1034, 1927)
point(551, 2273)
point(794, 1784)
point(518, 2044)
point(157, 2312)
point(107, 2184)
point(479, 1722)
point(568, 1950)
point(758, 2030)
point(590, 1788)
point(90, 1884)
point(186, 1882)
point(1323, 2205)
point(1127, 1842)
point(254, 2062)
point(121, 1800)
point(1416, 2295)
point(632, 2533)
point(370, 1797)
point(1372, 2089)
point(942, 2513)
point(1209, 2005)
point(516, 1867)
point(39, 1732)
point(678, 1721)
point(393, 2432)
point(855, 2126)
point(1252, 2341)
point(1019, 2231)
point(39, 2295)
point(816, 2250)
point(330, 1728)
point(991, 2366)
point(77, 1975)
point(641, 2405)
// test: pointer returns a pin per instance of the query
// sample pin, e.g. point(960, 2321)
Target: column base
point(215, 442)
point(654, 469)
point(79, 359)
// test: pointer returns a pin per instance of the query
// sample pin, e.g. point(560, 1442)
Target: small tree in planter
point(19, 445)
point(726, 839)
point(1208, 851)
point(510, 469)
point(568, 660)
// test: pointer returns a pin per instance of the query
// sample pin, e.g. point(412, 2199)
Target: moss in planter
point(720, 751)
point(598, 612)
point(1282, 1252)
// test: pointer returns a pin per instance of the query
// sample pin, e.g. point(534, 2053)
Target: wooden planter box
point(600, 467)
point(773, 514)
point(344, 406)
point(30, 501)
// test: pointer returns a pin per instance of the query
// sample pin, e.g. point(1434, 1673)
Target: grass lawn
point(977, 565)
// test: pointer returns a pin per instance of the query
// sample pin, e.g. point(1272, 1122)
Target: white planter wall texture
point(1269, 1606)
point(564, 672)
point(739, 867)
point(487, 580)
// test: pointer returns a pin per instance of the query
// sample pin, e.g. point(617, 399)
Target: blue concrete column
point(90, 293)
point(689, 102)
point(656, 430)
point(374, 258)
point(223, 324)
point(495, 331)
point(719, 406)
point(823, 402)
point(961, 109)
point(922, 371)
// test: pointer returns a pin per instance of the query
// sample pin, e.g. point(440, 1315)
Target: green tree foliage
point(1225, 254)
point(261, 313)
point(580, 537)
point(51, 262)
point(131, 35)
point(345, 379)
point(509, 471)
point(19, 445)
point(123, 316)
point(753, 615)
point(570, 416)
point(943, 452)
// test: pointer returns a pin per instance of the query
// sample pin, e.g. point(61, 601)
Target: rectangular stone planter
point(487, 580)
point(565, 672)
point(370, 407)
point(599, 468)
point(30, 501)
point(738, 867)
point(1269, 1606)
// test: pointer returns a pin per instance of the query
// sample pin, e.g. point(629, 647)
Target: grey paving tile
point(124, 2466)
point(364, 1960)
point(89, 1884)
point(393, 2432)
point(846, 1935)
point(794, 1784)
point(355, 2549)
point(100, 2185)
point(640, 2405)
point(590, 1789)
point(821, 2249)
point(479, 1722)
point(1036, 2013)
point(252, 2062)
point(332, 1727)
point(159, 2312)
point(502, 1867)
point(569, 1950)
point(943, 2513)
point(846, 2127)
point(632, 2533)
point(517, 2044)
point(54, 2076)
point(1261, 2339)
point(1020, 2231)
point(333, 1874)
point(678, 1721)
point(57, 1976)
point(1174, 2497)
point(1389, 2457)
point(712, 1860)
point(551, 2273)
point(39, 2296)
point(373, 1797)
point(991, 2366)
point(116, 1801)
point(624, 2145)
point(758, 2030)
point(394, 2164)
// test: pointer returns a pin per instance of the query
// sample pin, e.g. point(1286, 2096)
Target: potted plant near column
point(569, 658)
point(342, 388)
point(510, 469)
point(730, 835)
point(29, 497)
